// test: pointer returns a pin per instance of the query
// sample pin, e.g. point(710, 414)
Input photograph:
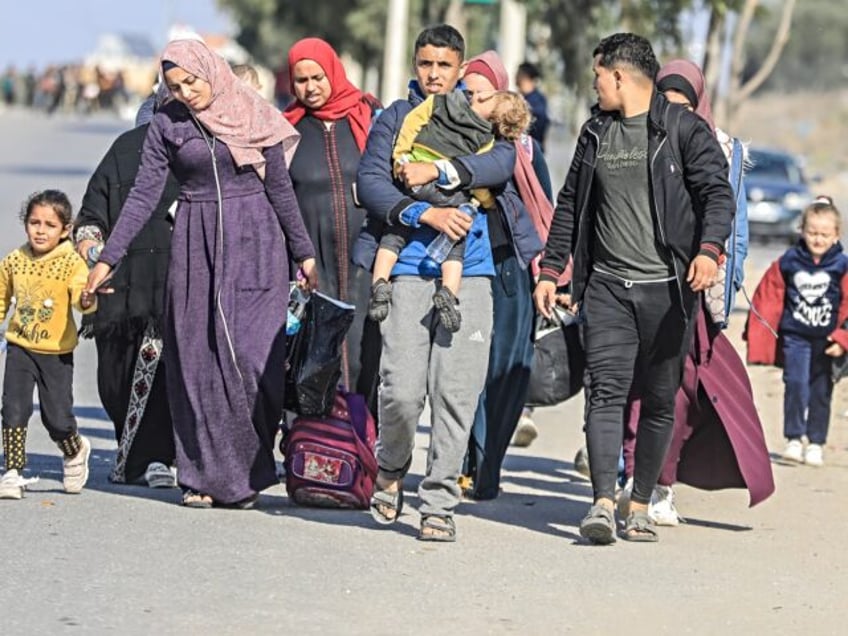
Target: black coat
point(139, 281)
point(692, 201)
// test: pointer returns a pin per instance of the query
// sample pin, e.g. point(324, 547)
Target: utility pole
point(513, 35)
point(395, 57)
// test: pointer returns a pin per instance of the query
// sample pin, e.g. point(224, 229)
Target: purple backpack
point(330, 459)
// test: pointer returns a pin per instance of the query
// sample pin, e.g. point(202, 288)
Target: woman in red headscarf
point(333, 118)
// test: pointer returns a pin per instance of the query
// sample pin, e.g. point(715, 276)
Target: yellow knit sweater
point(45, 288)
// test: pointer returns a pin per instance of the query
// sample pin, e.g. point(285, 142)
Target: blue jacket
point(387, 202)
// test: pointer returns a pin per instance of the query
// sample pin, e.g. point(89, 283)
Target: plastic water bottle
point(440, 247)
point(94, 254)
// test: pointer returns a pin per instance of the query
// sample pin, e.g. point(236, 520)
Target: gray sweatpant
point(421, 358)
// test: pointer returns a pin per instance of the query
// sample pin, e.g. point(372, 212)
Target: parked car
point(777, 194)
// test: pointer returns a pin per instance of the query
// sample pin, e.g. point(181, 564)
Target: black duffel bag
point(558, 360)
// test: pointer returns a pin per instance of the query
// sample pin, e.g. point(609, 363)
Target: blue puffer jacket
point(384, 198)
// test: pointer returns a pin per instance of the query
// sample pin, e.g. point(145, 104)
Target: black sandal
point(442, 529)
point(599, 525)
point(640, 528)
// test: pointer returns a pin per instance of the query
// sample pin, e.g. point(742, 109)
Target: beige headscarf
point(237, 115)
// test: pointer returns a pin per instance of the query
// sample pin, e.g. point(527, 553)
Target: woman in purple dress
point(236, 226)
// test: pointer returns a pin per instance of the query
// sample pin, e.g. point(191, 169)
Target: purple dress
point(227, 293)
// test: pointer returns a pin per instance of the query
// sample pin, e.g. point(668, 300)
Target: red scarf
point(346, 101)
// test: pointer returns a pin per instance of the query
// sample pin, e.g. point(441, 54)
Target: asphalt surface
point(125, 559)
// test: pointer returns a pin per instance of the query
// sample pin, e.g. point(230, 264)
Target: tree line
point(750, 45)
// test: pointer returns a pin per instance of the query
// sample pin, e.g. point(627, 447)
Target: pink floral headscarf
point(237, 115)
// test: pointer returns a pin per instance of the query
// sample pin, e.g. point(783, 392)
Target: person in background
point(515, 236)
point(682, 82)
point(128, 325)
point(527, 79)
point(237, 227)
point(247, 74)
point(47, 279)
point(333, 118)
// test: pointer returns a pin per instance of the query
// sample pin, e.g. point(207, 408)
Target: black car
point(777, 194)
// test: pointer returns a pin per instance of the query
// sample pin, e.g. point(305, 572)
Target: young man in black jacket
point(645, 212)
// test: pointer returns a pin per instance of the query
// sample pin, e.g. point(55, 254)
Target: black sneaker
point(381, 299)
point(448, 307)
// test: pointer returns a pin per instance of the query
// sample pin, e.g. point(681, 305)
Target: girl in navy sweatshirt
point(803, 297)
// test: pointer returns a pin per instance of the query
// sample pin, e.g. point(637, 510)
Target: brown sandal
point(192, 499)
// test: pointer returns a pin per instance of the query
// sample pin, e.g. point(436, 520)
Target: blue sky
point(43, 31)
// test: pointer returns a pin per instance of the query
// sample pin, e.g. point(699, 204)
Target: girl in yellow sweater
point(46, 277)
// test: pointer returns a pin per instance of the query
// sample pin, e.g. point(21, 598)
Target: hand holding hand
point(451, 221)
point(834, 350)
point(97, 277)
point(703, 272)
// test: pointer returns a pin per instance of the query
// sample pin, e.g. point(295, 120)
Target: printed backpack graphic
point(330, 460)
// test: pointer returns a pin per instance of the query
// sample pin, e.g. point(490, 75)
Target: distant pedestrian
point(797, 320)
point(47, 278)
point(527, 79)
point(645, 211)
point(247, 74)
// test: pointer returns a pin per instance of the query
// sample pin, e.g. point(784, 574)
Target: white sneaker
point(75, 469)
point(662, 509)
point(525, 432)
point(13, 484)
point(793, 451)
point(813, 455)
point(158, 475)
point(10, 485)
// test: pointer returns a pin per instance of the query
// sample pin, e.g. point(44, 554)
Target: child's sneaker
point(662, 509)
point(813, 455)
point(381, 299)
point(448, 307)
point(793, 451)
point(11, 485)
point(75, 468)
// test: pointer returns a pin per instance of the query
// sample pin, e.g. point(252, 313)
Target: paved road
point(128, 560)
